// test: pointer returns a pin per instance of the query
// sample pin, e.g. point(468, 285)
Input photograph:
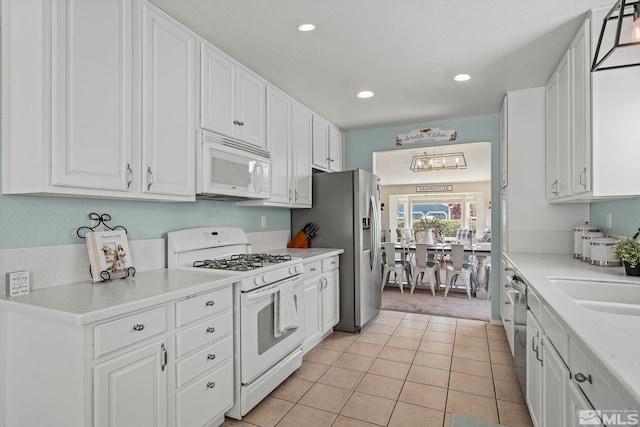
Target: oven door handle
point(261, 294)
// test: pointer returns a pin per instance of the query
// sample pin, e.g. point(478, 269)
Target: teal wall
point(28, 221)
point(360, 146)
point(625, 215)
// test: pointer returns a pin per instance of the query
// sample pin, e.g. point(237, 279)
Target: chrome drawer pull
point(138, 327)
point(582, 378)
point(211, 356)
point(211, 330)
point(211, 384)
point(209, 303)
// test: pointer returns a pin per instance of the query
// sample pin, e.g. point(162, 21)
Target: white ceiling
point(393, 167)
point(406, 51)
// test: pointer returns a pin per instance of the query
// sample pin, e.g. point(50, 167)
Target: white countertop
point(612, 339)
point(307, 255)
point(87, 302)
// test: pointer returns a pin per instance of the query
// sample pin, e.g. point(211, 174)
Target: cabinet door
point(168, 124)
point(503, 144)
point(555, 379)
point(279, 143)
point(581, 111)
point(534, 369)
point(217, 92)
point(552, 138)
point(564, 126)
point(131, 390)
point(330, 300)
point(251, 109)
point(335, 149)
point(92, 79)
point(312, 305)
point(579, 409)
point(320, 152)
point(301, 147)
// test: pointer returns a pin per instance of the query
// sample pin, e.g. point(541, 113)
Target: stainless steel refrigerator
point(346, 209)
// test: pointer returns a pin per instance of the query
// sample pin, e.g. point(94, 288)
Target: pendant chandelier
point(437, 162)
point(623, 13)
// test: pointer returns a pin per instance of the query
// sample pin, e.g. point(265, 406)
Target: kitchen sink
point(616, 297)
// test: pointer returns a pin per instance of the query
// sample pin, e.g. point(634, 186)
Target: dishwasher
point(518, 300)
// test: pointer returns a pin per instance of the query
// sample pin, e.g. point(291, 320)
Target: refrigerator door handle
point(375, 243)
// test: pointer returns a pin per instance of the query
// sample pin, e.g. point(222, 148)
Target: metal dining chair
point(399, 266)
point(458, 268)
point(425, 267)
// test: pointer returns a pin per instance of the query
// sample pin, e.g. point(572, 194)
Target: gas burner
point(263, 258)
point(234, 264)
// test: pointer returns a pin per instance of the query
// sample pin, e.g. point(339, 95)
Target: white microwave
point(232, 170)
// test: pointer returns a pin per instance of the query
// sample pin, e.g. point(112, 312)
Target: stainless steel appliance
point(346, 210)
point(261, 361)
point(517, 298)
point(232, 170)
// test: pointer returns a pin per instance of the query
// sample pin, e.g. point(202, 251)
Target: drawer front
point(599, 393)
point(330, 263)
point(203, 400)
point(203, 333)
point(312, 268)
point(128, 330)
point(201, 306)
point(203, 360)
point(534, 304)
point(556, 334)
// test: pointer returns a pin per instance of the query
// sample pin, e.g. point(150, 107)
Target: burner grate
point(242, 262)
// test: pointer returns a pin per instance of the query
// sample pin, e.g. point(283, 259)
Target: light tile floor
point(404, 370)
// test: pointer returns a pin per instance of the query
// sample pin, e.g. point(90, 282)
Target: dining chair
point(424, 266)
point(458, 268)
point(399, 266)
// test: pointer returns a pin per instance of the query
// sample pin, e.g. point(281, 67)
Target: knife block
point(299, 241)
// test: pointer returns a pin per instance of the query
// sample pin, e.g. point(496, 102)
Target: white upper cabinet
point(504, 171)
point(289, 127)
point(168, 107)
point(113, 111)
point(327, 146)
point(232, 100)
point(591, 139)
point(91, 103)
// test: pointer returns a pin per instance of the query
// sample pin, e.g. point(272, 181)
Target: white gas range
point(261, 360)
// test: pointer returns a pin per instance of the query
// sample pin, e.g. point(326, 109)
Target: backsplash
point(625, 216)
point(59, 265)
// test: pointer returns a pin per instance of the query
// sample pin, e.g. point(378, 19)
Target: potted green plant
point(628, 251)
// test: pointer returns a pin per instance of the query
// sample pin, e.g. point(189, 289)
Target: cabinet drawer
point(203, 400)
point(599, 393)
point(128, 330)
point(556, 334)
point(201, 306)
point(203, 333)
point(203, 360)
point(312, 268)
point(330, 263)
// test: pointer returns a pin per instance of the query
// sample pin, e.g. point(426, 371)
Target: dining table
point(480, 251)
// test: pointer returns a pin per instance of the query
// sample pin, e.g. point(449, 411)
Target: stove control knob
point(258, 280)
point(297, 269)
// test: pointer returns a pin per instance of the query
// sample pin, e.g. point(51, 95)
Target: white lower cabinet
point(131, 389)
point(321, 300)
point(561, 379)
point(169, 364)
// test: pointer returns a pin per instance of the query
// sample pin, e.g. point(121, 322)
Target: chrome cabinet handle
point(583, 178)
point(129, 176)
point(295, 197)
point(580, 377)
point(209, 303)
point(238, 122)
point(290, 196)
point(331, 160)
point(211, 330)
point(163, 350)
point(507, 303)
point(313, 269)
point(138, 327)
point(507, 320)
point(211, 384)
point(211, 356)
point(554, 188)
point(149, 178)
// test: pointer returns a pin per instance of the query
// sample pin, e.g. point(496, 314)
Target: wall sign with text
point(436, 188)
point(423, 135)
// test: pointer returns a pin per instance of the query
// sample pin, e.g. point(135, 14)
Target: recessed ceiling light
point(365, 94)
point(462, 77)
point(306, 27)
